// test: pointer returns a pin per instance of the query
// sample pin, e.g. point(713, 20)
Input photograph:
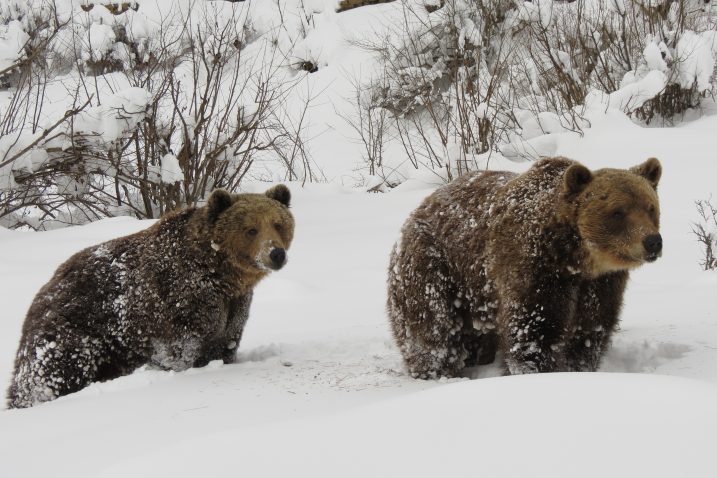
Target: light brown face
point(256, 230)
point(619, 217)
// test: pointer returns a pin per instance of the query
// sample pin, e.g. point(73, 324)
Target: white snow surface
point(319, 388)
point(171, 172)
point(12, 39)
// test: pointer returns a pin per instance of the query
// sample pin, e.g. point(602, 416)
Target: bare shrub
point(462, 79)
point(370, 124)
point(604, 46)
point(193, 110)
point(706, 232)
point(447, 91)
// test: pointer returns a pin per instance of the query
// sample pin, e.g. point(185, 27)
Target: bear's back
point(482, 215)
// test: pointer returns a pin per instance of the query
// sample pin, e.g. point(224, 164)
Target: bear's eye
point(618, 214)
point(252, 232)
point(278, 227)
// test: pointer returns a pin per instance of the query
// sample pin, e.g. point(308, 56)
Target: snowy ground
point(319, 389)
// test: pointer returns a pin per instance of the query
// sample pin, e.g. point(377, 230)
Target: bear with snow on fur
point(173, 296)
point(531, 266)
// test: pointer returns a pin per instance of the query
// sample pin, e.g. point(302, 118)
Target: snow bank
point(12, 39)
point(697, 53)
point(634, 93)
point(118, 114)
point(558, 425)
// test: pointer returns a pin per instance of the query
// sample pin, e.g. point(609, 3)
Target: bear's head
point(253, 230)
point(618, 214)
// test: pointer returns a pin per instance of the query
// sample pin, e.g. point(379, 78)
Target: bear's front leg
point(193, 336)
point(238, 316)
point(222, 344)
point(533, 326)
point(596, 316)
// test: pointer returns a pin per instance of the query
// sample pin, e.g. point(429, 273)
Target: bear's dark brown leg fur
point(224, 346)
point(596, 317)
point(533, 326)
point(422, 306)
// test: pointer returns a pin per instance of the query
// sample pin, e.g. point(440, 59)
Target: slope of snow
point(320, 385)
point(572, 425)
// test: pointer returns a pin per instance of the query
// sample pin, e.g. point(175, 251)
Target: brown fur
point(175, 295)
point(531, 265)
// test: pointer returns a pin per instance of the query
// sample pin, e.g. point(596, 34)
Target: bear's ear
point(650, 170)
point(280, 193)
point(576, 178)
point(218, 202)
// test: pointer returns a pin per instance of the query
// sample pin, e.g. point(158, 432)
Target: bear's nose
point(278, 257)
point(653, 244)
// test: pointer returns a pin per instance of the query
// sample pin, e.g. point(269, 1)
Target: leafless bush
point(447, 92)
point(706, 232)
point(23, 131)
point(292, 151)
point(193, 112)
point(605, 46)
point(370, 124)
point(462, 78)
point(210, 130)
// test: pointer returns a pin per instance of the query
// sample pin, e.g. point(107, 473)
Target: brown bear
point(533, 266)
point(174, 296)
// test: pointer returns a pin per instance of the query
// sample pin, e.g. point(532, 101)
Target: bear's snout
point(653, 246)
point(278, 258)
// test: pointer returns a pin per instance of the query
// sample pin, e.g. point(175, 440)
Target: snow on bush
point(463, 78)
point(696, 54)
point(148, 105)
point(12, 41)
